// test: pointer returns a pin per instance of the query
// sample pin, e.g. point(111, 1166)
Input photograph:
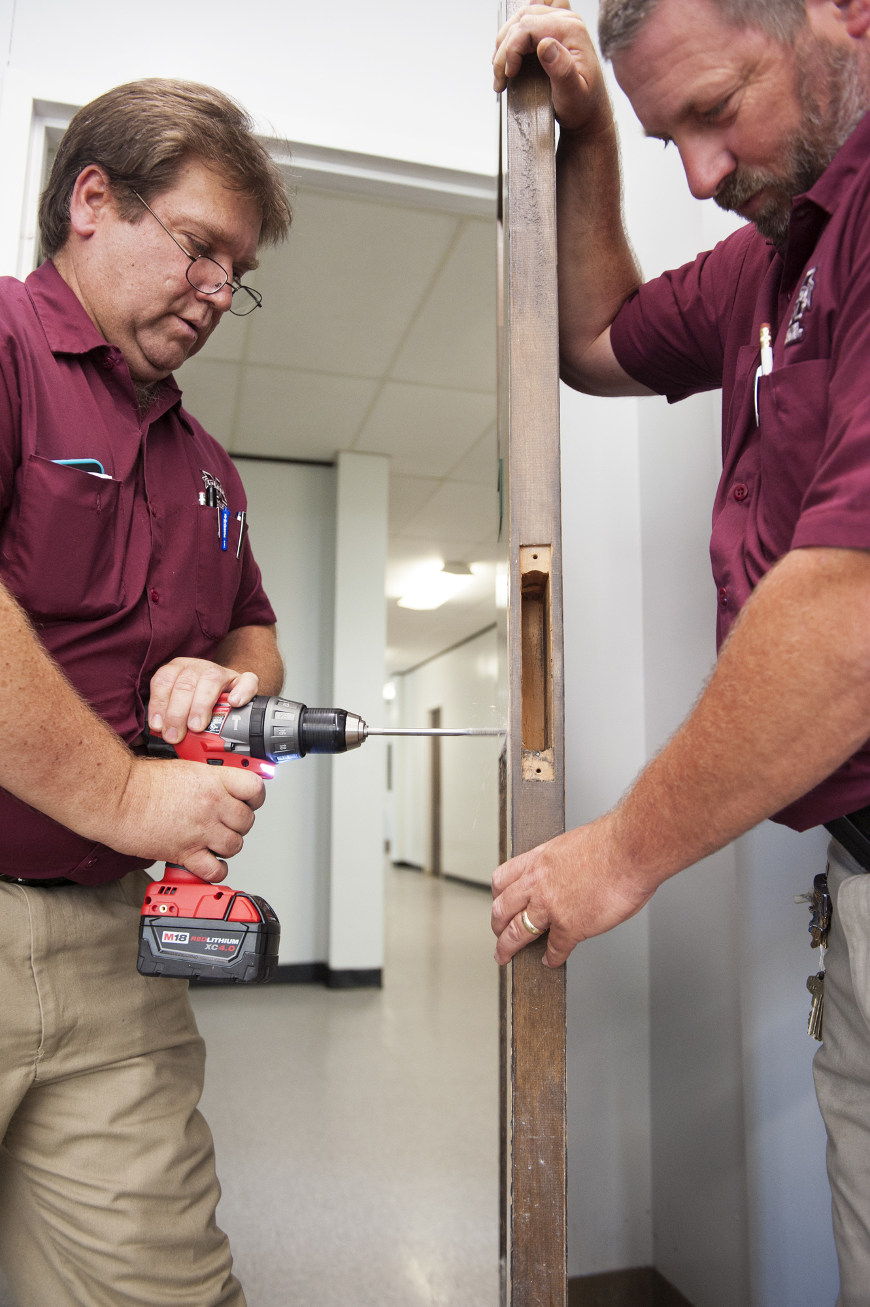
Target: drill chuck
point(276, 729)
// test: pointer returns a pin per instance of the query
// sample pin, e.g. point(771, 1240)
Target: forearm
point(254, 649)
point(596, 265)
point(58, 755)
point(789, 702)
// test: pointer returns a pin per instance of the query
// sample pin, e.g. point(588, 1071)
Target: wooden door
point(534, 1260)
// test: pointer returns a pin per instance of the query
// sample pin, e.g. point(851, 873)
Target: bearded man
point(767, 105)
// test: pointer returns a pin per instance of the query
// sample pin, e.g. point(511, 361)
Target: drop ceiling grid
point(378, 334)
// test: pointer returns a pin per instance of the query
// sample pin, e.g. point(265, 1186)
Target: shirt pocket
point(62, 556)
point(793, 418)
point(218, 573)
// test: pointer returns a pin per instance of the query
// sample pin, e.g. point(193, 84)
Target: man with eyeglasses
point(119, 597)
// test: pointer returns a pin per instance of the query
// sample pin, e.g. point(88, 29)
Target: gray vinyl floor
point(368, 1176)
point(357, 1131)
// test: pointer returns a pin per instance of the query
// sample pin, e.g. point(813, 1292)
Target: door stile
point(533, 1076)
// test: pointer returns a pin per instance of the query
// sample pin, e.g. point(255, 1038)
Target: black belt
point(853, 832)
point(47, 882)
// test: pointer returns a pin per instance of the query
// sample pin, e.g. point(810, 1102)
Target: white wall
point(608, 1013)
point(356, 915)
point(332, 75)
point(315, 853)
point(287, 857)
point(463, 682)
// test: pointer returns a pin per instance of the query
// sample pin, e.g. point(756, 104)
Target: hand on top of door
point(564, 47)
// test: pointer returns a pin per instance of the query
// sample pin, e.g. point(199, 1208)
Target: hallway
point(357, 1131)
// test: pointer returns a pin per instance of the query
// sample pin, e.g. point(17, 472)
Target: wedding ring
point(533, 930)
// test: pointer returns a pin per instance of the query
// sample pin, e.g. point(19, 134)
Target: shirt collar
point(67, 327)
point(814, 209)
point(832, 188)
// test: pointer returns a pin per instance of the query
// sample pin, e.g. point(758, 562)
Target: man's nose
point(219, 299)
point(706, 165)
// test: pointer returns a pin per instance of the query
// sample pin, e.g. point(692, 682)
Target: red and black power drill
point(196, 930)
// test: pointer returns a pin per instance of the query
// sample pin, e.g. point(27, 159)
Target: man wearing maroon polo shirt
point(116, 591)
point(767, 105)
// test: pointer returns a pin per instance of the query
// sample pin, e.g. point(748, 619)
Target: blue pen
point(225, 526)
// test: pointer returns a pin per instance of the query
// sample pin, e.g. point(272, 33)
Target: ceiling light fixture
point(432, 589)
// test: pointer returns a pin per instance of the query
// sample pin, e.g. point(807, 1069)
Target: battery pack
point(241, 946)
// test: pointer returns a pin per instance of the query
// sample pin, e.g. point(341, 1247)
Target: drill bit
point(435, 730)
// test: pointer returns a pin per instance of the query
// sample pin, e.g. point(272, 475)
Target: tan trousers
point(842, 1072)
point(107, 1182)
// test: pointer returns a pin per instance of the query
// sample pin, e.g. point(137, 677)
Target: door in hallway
point(534, 1240)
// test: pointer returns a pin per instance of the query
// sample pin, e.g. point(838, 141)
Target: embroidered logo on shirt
point(802, 305)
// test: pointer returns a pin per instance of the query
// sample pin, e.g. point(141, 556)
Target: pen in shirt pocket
point(209, 499)
point(765, 367)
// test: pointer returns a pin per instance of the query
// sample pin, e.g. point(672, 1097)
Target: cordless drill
point(196, 930)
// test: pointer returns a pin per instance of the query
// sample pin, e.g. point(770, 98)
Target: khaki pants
point(107, 1181)
point(842, 1072)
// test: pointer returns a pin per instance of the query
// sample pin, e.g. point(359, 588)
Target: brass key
point(816, 986)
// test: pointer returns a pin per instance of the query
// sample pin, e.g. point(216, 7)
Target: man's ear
point(91, 200)
point(854, 16)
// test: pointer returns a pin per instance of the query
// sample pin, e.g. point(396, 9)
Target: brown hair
point(619, 21)
point(142, 133)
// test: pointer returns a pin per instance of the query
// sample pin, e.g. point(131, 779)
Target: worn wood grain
point(533, 997)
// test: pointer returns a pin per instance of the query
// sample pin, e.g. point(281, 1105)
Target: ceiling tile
point(299, 414)
point(407, 497)
point(229, 339)
point(425, 430)
point(457, 511)
point(210, 390)
point(350, 280)
point(453, 340)
point(480, 464)
point(416, 636)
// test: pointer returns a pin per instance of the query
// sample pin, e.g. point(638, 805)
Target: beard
point(833, 97)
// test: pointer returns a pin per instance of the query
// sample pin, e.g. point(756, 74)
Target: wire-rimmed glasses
point(208, 276)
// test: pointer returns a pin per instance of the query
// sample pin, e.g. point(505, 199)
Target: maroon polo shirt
point(120, 573)
point(800, 475)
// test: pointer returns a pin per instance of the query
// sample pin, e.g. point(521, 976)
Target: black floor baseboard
point(445, 875)
point(643, 1286)
point(313, 973)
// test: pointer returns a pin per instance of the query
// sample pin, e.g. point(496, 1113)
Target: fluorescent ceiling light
point(432, 589)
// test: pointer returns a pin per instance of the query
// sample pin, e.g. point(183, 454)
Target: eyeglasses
point(207, 275)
